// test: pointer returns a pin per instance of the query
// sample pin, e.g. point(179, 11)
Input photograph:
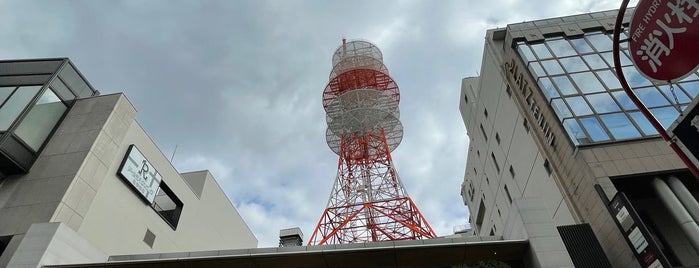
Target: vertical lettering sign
point(635, 232)
point(664, 36)
point(525, 90)
point(140, 174)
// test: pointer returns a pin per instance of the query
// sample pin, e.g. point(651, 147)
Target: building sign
point(524, 90)
point(685, 132)
point(663, 38)
point(635, 232)
point(140, 174)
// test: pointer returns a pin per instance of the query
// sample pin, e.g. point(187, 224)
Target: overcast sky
point(236, 86)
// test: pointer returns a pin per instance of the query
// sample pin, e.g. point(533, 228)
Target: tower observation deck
point(368, 201)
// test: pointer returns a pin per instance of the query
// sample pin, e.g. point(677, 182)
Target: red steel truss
point(368, 201)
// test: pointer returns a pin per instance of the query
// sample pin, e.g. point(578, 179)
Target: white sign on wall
point(140, 174)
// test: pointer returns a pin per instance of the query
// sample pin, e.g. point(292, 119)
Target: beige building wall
point(75, 182)
point(567, 185)
point(503, 163)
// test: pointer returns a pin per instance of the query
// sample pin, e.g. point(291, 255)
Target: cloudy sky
point(236, 85)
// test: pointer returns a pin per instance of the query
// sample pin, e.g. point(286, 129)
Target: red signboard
point(664, 38)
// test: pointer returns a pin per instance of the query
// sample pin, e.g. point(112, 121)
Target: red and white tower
point(368, 202)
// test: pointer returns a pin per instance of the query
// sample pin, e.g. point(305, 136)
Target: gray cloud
point(236, 85)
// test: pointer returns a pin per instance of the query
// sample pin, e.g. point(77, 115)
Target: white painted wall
point(117, 219)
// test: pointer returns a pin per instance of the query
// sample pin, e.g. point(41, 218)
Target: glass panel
point(595, 61)
point(548, 88)
point(651, 97)
point(623, 59)
point(609, 79)
point(552, 67)
point(587, 82)
point(581, 45)
point(61, 90)
point(561, 48)
point(643, 123)
point(573, 64)
point(692, 88)
point(690, 77)
point(564, 85)
point(602, 103)
point(600, 42)
point(681, 97)
point(541, 51)
point(624, 100)
point(620, 126)
point(525, 52)
point(560, 108)
point(74, 81)
point(536, 70)
point(14, 106)
point(666, 115)
point(579, 106)
point(622, 36)
point(41, 120)
point(5, 92)
point(594, 128)
point(634, 78)
point(575, 133)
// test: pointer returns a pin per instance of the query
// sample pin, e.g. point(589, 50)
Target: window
point(41, 120)
point(16, 103)
point(508, 90)
point(492, 231)
point(507, 194)
point(487, 181)
point(547, 166)
point(483, 132)
point(512, 171)
point(547, 87)
point(485, 112)
point(149, 238)
point(481, 215)
point(577, 77)
point(499, 213)
point(495, 162)
point(4, 241)
point(465, 98)
point(497, 137)
point(573, 64)
point(167, 205)
point(472, 191)
point(475, 172)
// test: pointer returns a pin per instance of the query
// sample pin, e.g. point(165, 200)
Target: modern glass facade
point(576, 75)
point(34, 96)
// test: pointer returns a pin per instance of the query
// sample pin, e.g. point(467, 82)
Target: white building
point(547, 120)
point(73, 188)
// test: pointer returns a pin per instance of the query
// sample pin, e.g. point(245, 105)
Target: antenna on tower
point(368, 202)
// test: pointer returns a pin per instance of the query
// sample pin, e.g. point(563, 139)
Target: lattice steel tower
point(368, 202)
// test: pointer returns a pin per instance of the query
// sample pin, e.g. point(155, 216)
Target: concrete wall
point(520, 165)
point(598, 164)
point(53, 243)
point(75, 182)
point(207, 222)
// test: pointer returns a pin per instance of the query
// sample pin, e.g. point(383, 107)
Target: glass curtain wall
point(577, 77)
